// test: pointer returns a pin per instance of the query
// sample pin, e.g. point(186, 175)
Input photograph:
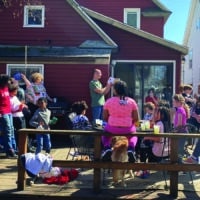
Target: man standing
point(97, 92)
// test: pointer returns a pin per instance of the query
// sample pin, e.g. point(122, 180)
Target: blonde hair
point(35, 76)
point(181, 99)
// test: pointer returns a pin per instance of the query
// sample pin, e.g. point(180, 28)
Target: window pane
point(30, 69)
point(35, 16)
point(132, 19)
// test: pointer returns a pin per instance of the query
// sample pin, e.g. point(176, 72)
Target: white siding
point(192, 40)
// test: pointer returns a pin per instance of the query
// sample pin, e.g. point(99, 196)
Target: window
point(132, 17)
point(34, 16)
point(24, 69)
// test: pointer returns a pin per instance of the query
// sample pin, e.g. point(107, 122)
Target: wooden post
point(21, 180)
point(174, 174)
point(97, 171)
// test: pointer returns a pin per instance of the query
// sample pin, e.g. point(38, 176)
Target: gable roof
point(91, 23)
point(154, 13)
point(88, 14)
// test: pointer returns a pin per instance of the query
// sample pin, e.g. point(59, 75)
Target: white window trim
point(136, 10)
point(22, 67)
point(26, 8)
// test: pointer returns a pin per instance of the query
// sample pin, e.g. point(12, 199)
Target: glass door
point(140, 77)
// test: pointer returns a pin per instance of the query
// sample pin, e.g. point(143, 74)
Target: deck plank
point(81, 187)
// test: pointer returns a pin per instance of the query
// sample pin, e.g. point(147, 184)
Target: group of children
point(12, 111)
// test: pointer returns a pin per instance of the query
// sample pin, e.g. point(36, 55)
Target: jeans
point(43, 139)
point(6, 121)
point(97, 113)
point(19, 123)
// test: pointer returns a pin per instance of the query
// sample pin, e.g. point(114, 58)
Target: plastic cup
point(54, 120)
point(142, 126)
point(156, 129)
point(147, 125)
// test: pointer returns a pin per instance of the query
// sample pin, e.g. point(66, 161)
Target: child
point(149, 109)
point(81, 122)
point(182, 113)
point(6, 119)
point(41, 120)
point(16, 108)
point(144, 147)
point(161, 145)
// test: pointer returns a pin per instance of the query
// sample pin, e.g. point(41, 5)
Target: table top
point(138, 129)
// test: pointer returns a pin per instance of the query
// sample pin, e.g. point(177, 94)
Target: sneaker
point(189, 160)
point(106, 155)
point(131, 155)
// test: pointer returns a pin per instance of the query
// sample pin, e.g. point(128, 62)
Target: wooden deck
point(81, 188)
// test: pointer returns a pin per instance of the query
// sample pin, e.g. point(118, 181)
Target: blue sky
point(175, 26)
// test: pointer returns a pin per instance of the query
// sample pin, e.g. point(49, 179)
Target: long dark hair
point(121, 89)
point(165, 117)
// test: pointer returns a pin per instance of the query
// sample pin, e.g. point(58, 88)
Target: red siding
point(72, 81)
point(132, 47)
point(115, 10)
point(153, 25)
point(63, 26)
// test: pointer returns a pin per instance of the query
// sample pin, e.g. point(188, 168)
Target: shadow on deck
point(80, 188)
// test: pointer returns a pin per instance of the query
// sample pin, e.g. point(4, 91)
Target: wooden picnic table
point(173, 166)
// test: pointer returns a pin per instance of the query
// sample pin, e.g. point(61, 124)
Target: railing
point(173, 166)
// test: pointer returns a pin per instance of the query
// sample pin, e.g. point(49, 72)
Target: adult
point(120, 112)
point(97, 93)
point(187, 94)
point(151, 97)
point(35, 89)
point(6, 119)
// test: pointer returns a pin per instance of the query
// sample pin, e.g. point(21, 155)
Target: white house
point(191, 67)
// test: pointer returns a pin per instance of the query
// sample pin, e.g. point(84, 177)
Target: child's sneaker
point(189, 160)
point(106, 154)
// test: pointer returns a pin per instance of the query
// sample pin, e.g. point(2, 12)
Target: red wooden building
point(66, 39)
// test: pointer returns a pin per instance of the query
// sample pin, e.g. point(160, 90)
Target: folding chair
point(81, 147)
